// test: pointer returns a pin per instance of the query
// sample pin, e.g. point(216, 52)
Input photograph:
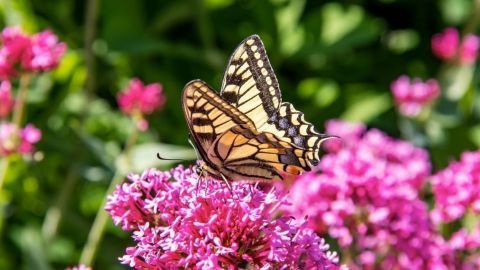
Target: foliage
point(333, 59)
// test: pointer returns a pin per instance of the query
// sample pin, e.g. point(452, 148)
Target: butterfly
point(246, 132)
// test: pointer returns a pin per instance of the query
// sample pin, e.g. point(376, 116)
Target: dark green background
point(333, 59)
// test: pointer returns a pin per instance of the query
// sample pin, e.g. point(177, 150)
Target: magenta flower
point(366, 195)
point(347, 133)
point(177, 224)
point(466, 248)
point(412, 96)
point(6, 99)
point(21, 52)
point(22, 141)
point(139, 100)
point(44, 52)
point(456, 189)
point(447, 46)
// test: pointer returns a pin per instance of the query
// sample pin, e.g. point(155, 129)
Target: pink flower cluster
point(13, 140)
point(178, 224)
point(367, 197)
point(447, 46)
point(457, 189)
point(138, 100)
point(6, 99)
point(23, 53)
point(411, 96)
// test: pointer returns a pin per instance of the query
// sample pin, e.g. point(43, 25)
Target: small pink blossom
point(456, 188)
point(366, 196)
point(447, 46)
point(44, 52)
point(412, 96)
point(6, 99)
point(179, 223)
point(21, 52)
point(141, 98)
point(347, 133)
point(14, 140)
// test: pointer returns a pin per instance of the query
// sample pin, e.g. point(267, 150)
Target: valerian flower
point(411, 96)
point(21, 52)
point(456, 189)
point(366, 195)
point(15, 140)
point(448, 46)
point(177, 222)
point(138, 100)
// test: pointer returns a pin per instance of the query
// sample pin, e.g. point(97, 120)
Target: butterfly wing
point(249, 155)
point(208, 115)
point(250, 85)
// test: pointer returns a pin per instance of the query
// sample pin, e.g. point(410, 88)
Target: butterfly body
point(247, 132)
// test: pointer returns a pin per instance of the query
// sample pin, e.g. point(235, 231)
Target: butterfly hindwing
point(249, 155)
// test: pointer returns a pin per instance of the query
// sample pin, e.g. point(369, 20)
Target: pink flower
point(346, 132)
point(44, 52)
point(447, 46)
point(456, 189)
point(142, 98)
point(179, 223)
point(366, 196)
point(469, 49)
point(6, 99)
point(412, 96)
point(21, 52)
point(15, 43)
point(14, 140)
point(466, 247)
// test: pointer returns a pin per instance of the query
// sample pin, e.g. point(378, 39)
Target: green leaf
point(144, 156)
point(367, 107)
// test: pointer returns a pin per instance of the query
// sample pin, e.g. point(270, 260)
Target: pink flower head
point(6, 99)
point(447, 46)
point(15, 42)
point(44, 52)
point(178, 225)
point(138, 97)
point(457, 188)
point(40, 52)
point(346, 132)
point(469, 49)
point(412, 96)
point(14, 140)
point(29, 136)
point(366, 196)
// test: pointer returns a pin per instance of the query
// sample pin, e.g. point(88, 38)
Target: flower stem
point(18, 114)
point(98, 227)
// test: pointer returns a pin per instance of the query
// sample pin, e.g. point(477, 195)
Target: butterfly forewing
point(251, 86)
point(208, 115)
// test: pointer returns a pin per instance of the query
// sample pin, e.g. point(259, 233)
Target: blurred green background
point(333, 59)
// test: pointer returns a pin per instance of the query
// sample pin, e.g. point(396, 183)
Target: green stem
point(99, 224)
point(18, 114)
point(55, 212)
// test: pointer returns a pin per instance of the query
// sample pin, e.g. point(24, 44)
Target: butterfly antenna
point(175, 159)
point(228, 184)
